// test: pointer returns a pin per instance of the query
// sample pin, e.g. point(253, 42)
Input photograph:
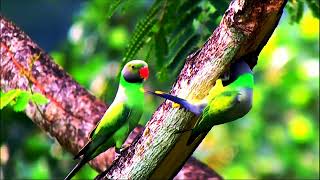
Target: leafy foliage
point(314, 7)
point(19, 99)
point(296, 8)
point(141, 32)
point(113, 5)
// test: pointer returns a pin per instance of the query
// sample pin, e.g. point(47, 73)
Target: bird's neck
point(130, 92)
point(244, 80)
point(241, 75)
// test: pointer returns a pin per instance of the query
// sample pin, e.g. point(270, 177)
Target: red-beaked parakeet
point(227, 101)
point(121, 117)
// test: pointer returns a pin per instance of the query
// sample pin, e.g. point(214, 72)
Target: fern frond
point(113, 5)
point(141, 31)
point(177, 61)
point(186, 21)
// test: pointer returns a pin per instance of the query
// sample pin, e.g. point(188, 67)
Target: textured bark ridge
point(72, 112)
point(160, 152)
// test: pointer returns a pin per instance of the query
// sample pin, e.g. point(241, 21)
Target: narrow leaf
point(22, 101)
point(161, 46)
point(9, 96)
point(187, 5)
point(186, 21)
point(39, 99)
point(314, 7)
point(141, 31)
point(113, 7)
point(186, 49)
point(220, 5)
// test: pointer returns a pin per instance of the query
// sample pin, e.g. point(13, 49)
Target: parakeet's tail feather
point(76, 168)
point(196, 109)
point(83, 150)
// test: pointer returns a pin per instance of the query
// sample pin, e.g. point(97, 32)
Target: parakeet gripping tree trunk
point(228, 100)
point(121, 117)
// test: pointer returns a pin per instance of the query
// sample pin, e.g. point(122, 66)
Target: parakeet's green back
point(115, 116)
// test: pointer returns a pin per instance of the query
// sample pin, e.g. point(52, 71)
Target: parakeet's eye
point(132, 67)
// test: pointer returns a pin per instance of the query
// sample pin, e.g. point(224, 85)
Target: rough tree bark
point(72, 112)
point(159, 153)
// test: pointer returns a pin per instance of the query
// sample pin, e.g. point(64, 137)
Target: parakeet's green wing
point(213, 112)
point(115, 116)
point(218, 105)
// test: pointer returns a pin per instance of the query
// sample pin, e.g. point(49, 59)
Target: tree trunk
point(160, 153)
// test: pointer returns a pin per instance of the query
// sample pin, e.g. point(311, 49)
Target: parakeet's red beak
point(144, 72)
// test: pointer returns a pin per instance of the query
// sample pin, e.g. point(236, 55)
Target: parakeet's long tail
point(196, 109)
point(83, 150)
point(76, 168)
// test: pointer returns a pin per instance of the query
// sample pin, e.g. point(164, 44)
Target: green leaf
point(187, 5)
point(22, 101)
point(212, 22)
point(179, 42)
point(179, 50)
point(161, 46)
point(142, 30)
point(39, 99)
point(295, 9)
point(113, 7)
point(314, 7)
point(220, 5)
point(8, 97)
point(186, 21)
point(178, 61)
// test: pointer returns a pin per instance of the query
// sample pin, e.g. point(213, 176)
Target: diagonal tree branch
point(160, 152)
point(72, 112)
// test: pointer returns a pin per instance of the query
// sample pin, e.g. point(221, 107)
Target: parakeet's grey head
point(135, 71)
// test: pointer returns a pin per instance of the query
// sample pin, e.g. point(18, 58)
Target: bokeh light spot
point(300, 128)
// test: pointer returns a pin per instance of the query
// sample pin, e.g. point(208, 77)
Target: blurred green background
point(279, 138)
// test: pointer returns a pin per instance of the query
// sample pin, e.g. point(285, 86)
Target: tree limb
point(72, 112)
point(159, 153)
